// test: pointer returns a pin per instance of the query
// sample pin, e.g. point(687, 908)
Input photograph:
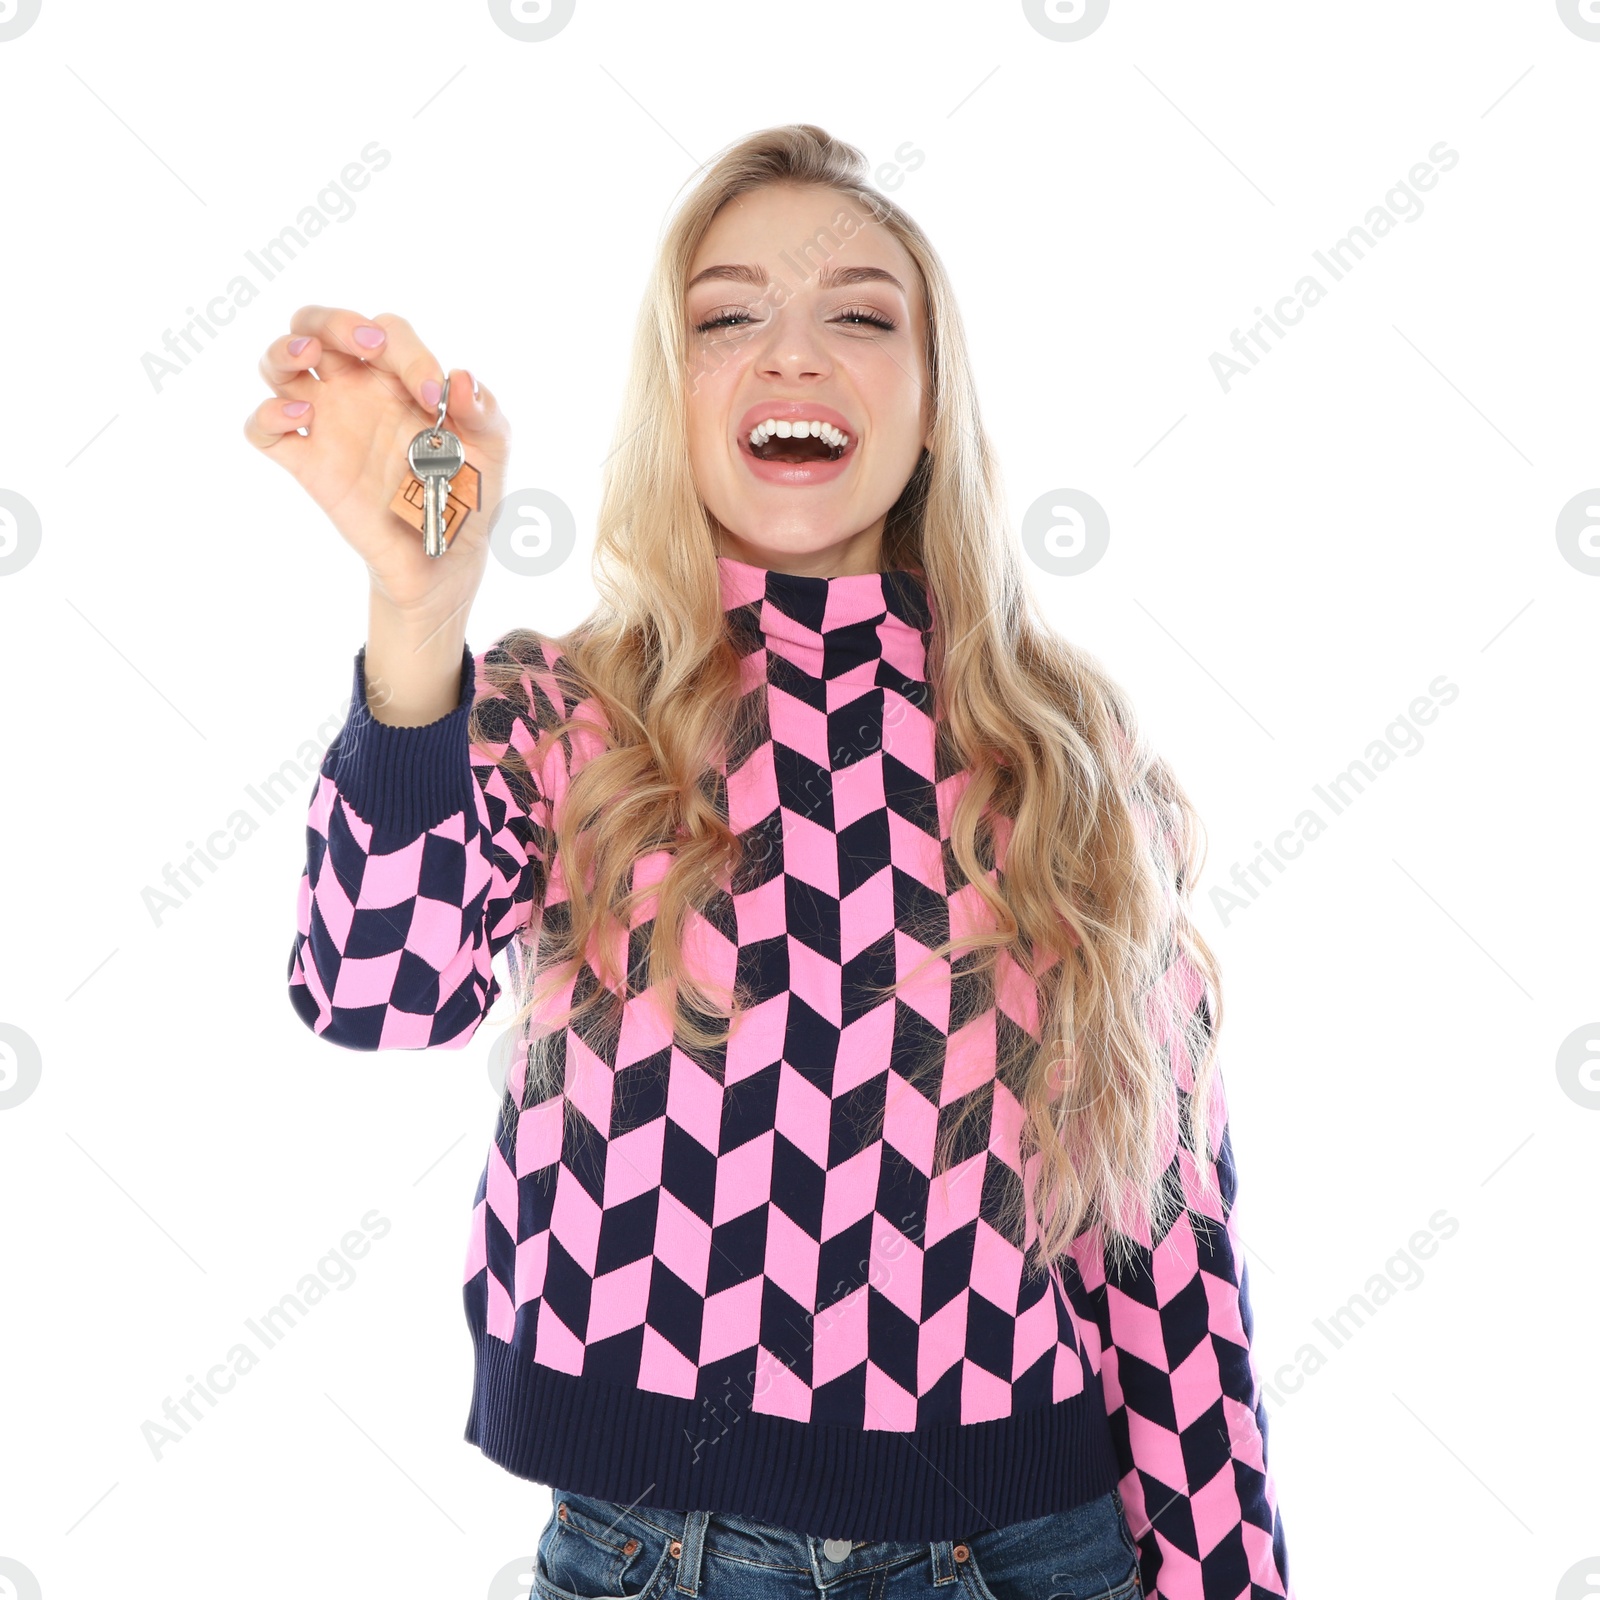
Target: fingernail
point(296, 408)
point(368, 337)
point(297, 345)
point(430, 392)
point(474, 386)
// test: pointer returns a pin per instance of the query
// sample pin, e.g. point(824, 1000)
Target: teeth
point(803, 429)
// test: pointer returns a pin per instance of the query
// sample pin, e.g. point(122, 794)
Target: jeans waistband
point(762, 1544)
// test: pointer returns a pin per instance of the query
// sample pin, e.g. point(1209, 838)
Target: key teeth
point(433, 514)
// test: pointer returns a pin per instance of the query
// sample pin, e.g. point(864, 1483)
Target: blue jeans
point(599, 1550)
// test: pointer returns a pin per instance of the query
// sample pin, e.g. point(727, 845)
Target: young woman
point(861, 1206)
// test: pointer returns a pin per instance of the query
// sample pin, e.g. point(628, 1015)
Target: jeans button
point(836, 1549)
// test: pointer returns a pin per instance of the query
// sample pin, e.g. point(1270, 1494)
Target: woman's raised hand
point(376, 387)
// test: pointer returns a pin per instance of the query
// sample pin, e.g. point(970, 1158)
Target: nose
point(792, 349)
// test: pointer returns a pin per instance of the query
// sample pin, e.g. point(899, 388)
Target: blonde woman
point(859, 1213)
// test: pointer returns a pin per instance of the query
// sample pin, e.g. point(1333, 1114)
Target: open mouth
point(794, 443)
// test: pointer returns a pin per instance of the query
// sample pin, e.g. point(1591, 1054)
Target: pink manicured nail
point(368, 337)
point(297, 345)
point(296, 408)
point(430, 392)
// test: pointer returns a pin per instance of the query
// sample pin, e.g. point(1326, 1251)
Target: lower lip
point(797, 474)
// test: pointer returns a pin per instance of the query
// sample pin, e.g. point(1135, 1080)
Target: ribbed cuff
point(405, 780)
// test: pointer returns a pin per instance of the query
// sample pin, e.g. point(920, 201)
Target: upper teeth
point(798, 430)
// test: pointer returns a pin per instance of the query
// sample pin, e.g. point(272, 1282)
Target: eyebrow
point(828, 278)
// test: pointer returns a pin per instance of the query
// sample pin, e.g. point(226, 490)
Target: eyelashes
point(856, 314)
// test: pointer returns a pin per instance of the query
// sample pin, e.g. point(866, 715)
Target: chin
point(753, 534)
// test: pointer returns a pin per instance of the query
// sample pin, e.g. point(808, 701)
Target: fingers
point(464, 405)
point(287, 370)
point(385, 344)
point(331, 338)
point(272, 425)
point(473, 411)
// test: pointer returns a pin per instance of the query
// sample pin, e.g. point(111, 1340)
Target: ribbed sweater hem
point(405, 780)
point(642, 1448)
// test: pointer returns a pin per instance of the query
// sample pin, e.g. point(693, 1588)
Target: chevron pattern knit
point(732, 1279)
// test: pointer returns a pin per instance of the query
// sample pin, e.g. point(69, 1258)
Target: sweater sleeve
point(1188, 1422)
point(422, 862)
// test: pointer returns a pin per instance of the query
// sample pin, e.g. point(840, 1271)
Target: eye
point(857, 316)
point(863, 314)
point(722, 319)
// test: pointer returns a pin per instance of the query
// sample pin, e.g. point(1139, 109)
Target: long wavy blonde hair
point(1095, 838)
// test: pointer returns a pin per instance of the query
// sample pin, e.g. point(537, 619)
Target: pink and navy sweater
point(732, 1282)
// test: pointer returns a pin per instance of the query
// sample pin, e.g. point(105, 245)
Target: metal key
point(436, 457)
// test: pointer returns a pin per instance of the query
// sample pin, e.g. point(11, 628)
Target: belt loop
point(694, 1538)
point(944, 1566)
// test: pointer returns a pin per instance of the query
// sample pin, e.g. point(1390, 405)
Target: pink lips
point(795, 473)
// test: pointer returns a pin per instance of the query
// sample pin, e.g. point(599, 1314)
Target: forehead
point(791, 231)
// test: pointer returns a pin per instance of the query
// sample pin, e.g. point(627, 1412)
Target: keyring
point(444, 403)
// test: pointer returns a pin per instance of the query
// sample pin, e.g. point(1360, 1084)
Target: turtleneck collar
point(830, 627)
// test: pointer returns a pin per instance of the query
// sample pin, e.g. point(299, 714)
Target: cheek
point(714, 369)
point(709, 401)
point(708, 458)
point(891, 396)
point(705, 423)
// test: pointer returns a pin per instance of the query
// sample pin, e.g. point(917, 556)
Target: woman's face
point(818, 318)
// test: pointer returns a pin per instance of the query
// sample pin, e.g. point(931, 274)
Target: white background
point(1290, 566)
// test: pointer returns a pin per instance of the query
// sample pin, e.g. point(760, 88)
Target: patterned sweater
point(731, 1281)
